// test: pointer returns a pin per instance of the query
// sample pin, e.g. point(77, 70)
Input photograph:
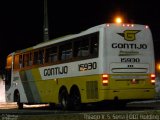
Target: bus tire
point(64, 99)
point(75, 98)
point(20, 105)
point(17, 99)
point(52, 106)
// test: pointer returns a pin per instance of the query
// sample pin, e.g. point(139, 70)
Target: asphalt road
point(145, 110)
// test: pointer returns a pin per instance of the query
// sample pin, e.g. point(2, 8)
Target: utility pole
point(45, 24)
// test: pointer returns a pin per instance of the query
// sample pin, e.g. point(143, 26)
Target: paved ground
point(136, 110)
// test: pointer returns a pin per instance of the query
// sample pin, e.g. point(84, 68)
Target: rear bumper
point(128, 94)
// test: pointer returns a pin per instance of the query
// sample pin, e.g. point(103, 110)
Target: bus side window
point(51, 55)
point(35, 59)
point(94, 46)
point(84, 48)
point(16, 62)
point(30, 59)
point(26, 59)
point(81, 48)
point(66, 51)
point(41, 57)
point(20, 61)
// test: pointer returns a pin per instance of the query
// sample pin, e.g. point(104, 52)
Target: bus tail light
point(105, 80)
point(153, 79)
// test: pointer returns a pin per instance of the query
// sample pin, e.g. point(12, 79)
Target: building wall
point(2, 90)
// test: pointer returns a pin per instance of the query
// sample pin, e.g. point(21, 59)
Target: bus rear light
point(105, 80)
point(108, 25)
point(153, 77)
point(146, 26)
point(153, 81)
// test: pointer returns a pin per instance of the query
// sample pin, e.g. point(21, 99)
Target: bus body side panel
point(42, 85)
point(16, 85)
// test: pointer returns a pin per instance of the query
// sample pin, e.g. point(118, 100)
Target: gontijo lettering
point(129, 46)
point(56, 71)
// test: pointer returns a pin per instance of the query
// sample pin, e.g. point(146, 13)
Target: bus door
point(8, 72)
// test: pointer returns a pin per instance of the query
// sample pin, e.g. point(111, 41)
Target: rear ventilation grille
point(92, 89)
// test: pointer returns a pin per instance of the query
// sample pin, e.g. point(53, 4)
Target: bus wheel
point(75, 99)
point(20, 105)
point(52, 106)
point(17, 99)
point(64, 99)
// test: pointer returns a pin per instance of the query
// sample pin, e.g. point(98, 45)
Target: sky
point(21, 21)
